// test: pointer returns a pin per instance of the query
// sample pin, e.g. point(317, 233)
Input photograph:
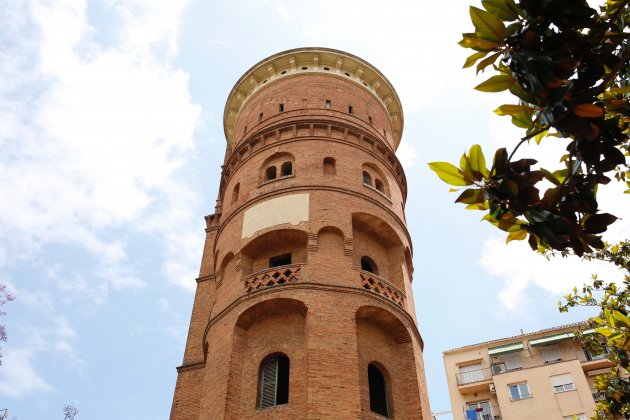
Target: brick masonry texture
point(323, 319)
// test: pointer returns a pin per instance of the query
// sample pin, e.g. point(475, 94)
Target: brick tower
point(304, 306)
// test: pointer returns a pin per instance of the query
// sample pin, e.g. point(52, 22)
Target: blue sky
point(111, 143)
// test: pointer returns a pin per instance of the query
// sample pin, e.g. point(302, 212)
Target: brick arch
point(274, 242)
point(387, 320)
point(268, 308)
point(331, 229)
point(377, 227)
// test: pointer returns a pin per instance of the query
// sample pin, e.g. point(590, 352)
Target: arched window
point(274, 381)
point(286, 169)
point(235, 192)
point(270, 173)
point(378, 184)
point(367, 264)
point(378, 391)
point(329, 166)
point(367, 178)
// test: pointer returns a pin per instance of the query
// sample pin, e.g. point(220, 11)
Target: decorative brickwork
point(285, 274)
point(281, 275)
point(379, 285)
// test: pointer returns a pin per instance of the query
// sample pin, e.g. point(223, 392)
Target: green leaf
point(550, 177)
point(449, 174)
point(496, 84)
point(522, 120)
point(538, 138)
point(512, 109)
point(488, 26)
point(477, 44)
point(478, 206)
point(471, 196)
point(505, 10)
point(473, 58)
point(486, 62)
point(517, 235)
point(478, 161)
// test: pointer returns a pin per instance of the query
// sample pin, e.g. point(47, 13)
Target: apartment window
point(580, 416)
point(479, 411)
point(328, 104)
point(367, 264)
point(471, 373)
point(286, 169)
point(278, 260)
point(593, 356)
point(551, 354)
point(512, 362)
point(378, 391)
point(562, 383)
point(281, 108)
point(274, 382)
point(519, 391)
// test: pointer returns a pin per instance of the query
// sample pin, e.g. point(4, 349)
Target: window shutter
point(559, 380)
point(269, 383)
point(551, 354)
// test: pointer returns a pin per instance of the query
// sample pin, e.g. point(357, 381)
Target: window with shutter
point(274, 382)
point(378, 391)
point(562, 382)
point(551, 354)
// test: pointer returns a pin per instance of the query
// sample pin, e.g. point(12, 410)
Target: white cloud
point(407, 154)
point(518, 268)
point(17, 376)
point(105, 131)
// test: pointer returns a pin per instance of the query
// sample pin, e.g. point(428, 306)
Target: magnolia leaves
point(508, 193)
point(568, 68)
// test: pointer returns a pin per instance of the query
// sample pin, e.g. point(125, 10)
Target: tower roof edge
point(309, 60)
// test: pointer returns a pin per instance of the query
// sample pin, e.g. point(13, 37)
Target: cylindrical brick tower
point(304, 305)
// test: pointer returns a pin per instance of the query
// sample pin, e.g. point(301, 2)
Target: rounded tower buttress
point(304, 305)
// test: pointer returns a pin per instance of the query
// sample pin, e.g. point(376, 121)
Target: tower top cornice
point(313, 60)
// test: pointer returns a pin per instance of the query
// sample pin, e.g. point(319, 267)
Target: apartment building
point(544, 375)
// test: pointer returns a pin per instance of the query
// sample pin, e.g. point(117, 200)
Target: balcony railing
point(464, 378)
point(276, 276)
point(371, 281)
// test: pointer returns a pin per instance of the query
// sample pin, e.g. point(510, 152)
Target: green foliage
point(567, 66)
point(612, 328)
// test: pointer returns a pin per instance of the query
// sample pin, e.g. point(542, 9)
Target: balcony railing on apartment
point(371, 281)
point(487, 413)
point(276, 276)
point(479, 375)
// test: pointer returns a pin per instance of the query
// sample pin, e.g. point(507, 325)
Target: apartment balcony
point(596, 361)
point(277, 276)
point(474, 380)
point(376, 284)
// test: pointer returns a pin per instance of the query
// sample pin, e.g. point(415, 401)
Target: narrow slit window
point(244, 129)
point(349, 109)
point(286, 169)
point(274, 382)
point(279, 260)
point(235, 192)
point(370, 120)
point(328, 104)
point(378, 391)
point(260, 117)
point(281, 108)
point(329, 166)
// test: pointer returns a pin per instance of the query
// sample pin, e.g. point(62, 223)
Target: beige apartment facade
point(545, 375)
